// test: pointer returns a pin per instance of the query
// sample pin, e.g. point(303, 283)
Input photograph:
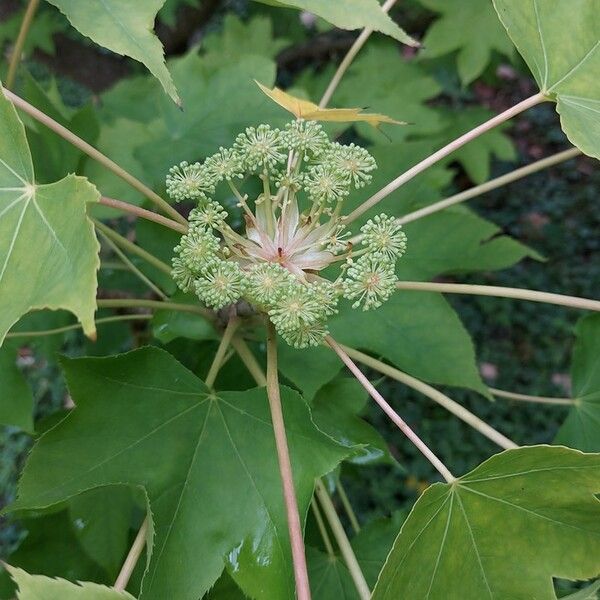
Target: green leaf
point(373, 543)
point(469, 27)
point(101, 520)
point(34, 587)
point(350, 14)
point(560, 41)
point(419, 333)
point(16, 404)
point(588, 593)
point(41, 33)
point(336, 409)
point(476, 156)
point(308, 369)
point(51, 548)
point(123, 27)
point(456, 240)
point(59, 270)
point(501, 531)
point(401, 91)
point(582, 427)
point(329, 577)
point(217, 462)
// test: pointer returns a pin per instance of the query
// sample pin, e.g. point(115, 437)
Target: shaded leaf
point(507, 528)
point(336, 410)
point(418, 332)
point(560, 41)
point(101, 519)
point(469, 27)
point(350, 14)
point(217, 461)
point(582, 426)
point(16, 399)
point(304, 109)
point(41, 32)
point(476, 156)
point(588, 593)
point(33, 587)
point(59, 271)
point(401, 90)
point(329, 577)
point(124, 28)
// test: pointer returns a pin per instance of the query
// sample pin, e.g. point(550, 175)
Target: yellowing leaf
point(304, 109)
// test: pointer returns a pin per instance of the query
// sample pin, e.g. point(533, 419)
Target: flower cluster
point(294, 230)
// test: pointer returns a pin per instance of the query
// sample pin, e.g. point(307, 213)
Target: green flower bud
point(221, 284)
point(384, 237)
point(189, 182)
point(371, 281)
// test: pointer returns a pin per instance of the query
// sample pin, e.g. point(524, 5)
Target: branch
point(92, 152)
point(450, 405)
point(342, 541)
point(347, 60)
point(501, 292)
point(285, 469)
point(390, 412)
point(17, 51)
point(132, 558)
point(155, 304)
point(322, 529)
point(143, 213)
point(346, 504)
point(249, 360)
point(231, 328)
point(528, 398)
point(488, 186)
point(26, 334)
point(131, 247)
point(442, 153)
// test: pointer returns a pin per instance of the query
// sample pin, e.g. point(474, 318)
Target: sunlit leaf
point(217, 461)
point(582, 427)
point(469, 27)
point(32, 587)
point(504, 530)
point(560, 41)
point(304, 109)
point(123, 27)
point(350, 14)
point(48, 250)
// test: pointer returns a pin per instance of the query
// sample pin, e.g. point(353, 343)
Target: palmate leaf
point(469, 27)
point(208, 464)
point(501, 531)
point(34, 587)
point(124, 27)
point(350, 14)
point(48, 250)
point(560, 41)
point(582, 427)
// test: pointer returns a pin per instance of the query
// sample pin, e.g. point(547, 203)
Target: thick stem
point(390, 412)
point(442, 153)
point(488, 186)
point(249, 360)
point(342, 541)
point(350, 56)
point(450, 405)
point(132, 209)
point(501, 292)
point(92, 152)
point(132, 267)
point(116, 318)
point(17, 51)
point(285, 469)
point(123, 242)
point(232, 325)
point(154, 304)
point(322, 528)
point(346, 504)
point(132, 558)
point(528, 398)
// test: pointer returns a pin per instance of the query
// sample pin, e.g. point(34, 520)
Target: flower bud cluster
point(275, 263)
